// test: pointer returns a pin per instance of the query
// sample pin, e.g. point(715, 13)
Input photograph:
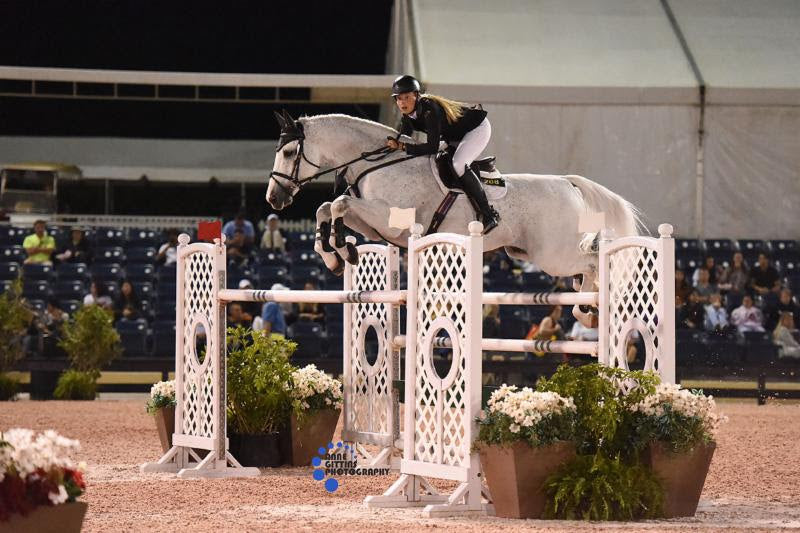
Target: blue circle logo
point(328, 462)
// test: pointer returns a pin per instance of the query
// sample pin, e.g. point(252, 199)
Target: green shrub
point(259, 381)
point(76, 385)
point(596, 487)
point(9, 387)
point(90, 340)
point(15, 316)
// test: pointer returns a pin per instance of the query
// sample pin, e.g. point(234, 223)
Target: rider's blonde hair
point(452, 108)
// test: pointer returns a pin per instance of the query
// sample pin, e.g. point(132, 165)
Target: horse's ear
point(280, 119)
point(287, 117)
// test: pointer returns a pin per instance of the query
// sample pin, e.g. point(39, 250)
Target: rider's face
point(406, 102)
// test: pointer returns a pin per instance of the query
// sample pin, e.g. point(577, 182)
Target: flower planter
point(682, 474)
point(316, 430)
point(165, 425)
point(262, 451)
point(516, 475)
point(64, 518)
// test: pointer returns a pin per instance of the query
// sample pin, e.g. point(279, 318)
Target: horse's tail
point(621, 215)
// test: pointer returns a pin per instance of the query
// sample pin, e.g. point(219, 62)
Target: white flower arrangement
point(312, 388)
point(527, 407)
point(684, 402)
point(162, 394)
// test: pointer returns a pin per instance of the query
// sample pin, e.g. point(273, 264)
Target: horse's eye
point(288, 153)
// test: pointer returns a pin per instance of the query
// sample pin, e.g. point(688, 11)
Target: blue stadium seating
point(36, 289)
point(141, 255)
point(164, 338)
point(38, 272)
point(140, 272)
point(114, 254)
point(37, 305)
point(309, 339)
point(5, 285)
point(109, 237)
point(70, 290)
point(302, 241)
point(9, 271)
point(107, 272)
point(265, 258)
point(143, 237)
point(72, 272)
point(70, 306)
point(134, 336)
point(11, 236)
point(13, 254)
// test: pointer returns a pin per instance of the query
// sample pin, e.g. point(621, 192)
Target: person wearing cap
point(273, 238)
point(39, 245)
point(77, 250)
point(251, 308)
point(168, 252)
point(458, 124)
point(240, 223)
point(273, 322)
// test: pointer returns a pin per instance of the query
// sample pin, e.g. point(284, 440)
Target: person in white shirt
point(579, 332)
point(784, 337)
point(168, 253)
point(747, 317)
point(273, 238)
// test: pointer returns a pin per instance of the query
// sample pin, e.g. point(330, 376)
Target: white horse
point(539, 213)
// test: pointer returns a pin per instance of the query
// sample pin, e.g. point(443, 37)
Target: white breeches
point(471, 146)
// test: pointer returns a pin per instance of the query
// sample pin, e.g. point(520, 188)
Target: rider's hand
point(393, 144)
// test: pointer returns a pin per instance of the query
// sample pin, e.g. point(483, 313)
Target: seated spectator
point(716, 316)
point(127, 304)
point(97, 296)
point(704, 288)
point(785, 304)
point(240, 224)
point(237, 316)
point(310, 311)
point(273, 238)
point(491, 321)
point(168, 252)
point(784, 337)
point(682, 287)
point(764, 278)
point(54, 317)
point(237, 249)
point(250, 308)
point(734, 278)
point(579, 332)
point(693, 314)
point(549, 327)
point(272, 316)
point(747, 317)
point(77, 250)
point(680, 307)
point(39, 245)
point(714, 271)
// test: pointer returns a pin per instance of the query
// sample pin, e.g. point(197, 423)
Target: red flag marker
point(208, 231)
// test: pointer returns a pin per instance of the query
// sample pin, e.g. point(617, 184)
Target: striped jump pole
point(518, 345)
point(320, 297)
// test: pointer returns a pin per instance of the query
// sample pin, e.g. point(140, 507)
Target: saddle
point(449, 177)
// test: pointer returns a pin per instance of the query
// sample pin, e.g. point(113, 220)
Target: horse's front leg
point(586, 315)
point(321, 245)
point(367, 217)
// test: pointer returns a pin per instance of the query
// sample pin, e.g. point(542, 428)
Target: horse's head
point(292, 167)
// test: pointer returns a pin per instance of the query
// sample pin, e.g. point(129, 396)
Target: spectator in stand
point(714, 272)
point(693, 314)
point(579, 332)
point(784, 336)
point(680, 309)
point(734, 278)
point(168, 252)
point(273, 238)
point(237, 249)
point(97, 296)
point(53, 318)
point(764, 279)
point(237, 316)
point(747, 317)
point(39, 245)
point(272, 316)
point(704, 287)
point(250, 308)
point(127, 304)
point(716, 315)
point(77, 250)
point(243, 225)
point(491, 321)
point(549, 327)
point(310, 311)
point(682, 287)
point(785, 304)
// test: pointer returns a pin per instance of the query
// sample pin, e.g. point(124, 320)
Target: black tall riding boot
point(472, 186)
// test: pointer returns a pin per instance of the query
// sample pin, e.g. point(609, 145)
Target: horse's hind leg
point(321, 245)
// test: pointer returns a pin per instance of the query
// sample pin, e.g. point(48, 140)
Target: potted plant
point(675, 428)
point(523, 438)
point(316, 404)
point(606, 480)
point(15, 316)
point(258, 400)
point(91, 342)
point(39, 484)
point(162, 406)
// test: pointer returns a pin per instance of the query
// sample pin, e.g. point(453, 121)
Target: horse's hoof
point(352, 254)
point(324, 231)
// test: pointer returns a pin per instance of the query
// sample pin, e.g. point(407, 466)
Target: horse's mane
point(360, 124)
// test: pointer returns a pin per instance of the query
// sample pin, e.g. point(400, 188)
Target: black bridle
point(293, 131)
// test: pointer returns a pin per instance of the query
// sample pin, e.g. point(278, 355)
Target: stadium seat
point(13, 254)
point(688, 246)
point(107, 272)
point(759, 348)
point(144, 290)
point(143, 237)
point(11, 236)
point(37, 306)
point(109, 237)
point(166, 273)
point(36, 289)
point(113, 254)
point(72, 272)
point(141, 255)
point(5, 285)
point(166, 292)
point(70, 306)
point(164, 338)
point(304, 257)
point(269, 258)
point(36, 271)
point(303, 273)
point(70, 290)
point(536, 282)
point(140, 272)
point(309, 339)
point(719, 245)
point(514, 326)
point(134, 337)
point(9, 271)
point(302, 241)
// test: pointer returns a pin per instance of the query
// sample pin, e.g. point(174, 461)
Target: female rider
point(457, 124)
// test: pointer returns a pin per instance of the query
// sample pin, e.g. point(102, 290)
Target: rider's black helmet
point(405, 84)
